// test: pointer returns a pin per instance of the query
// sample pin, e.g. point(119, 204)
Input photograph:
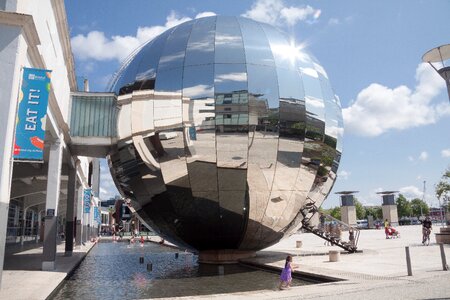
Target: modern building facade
point(41, 200)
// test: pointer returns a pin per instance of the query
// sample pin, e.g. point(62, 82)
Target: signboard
point(31, 112)
point(97, 215)
point(87, 200)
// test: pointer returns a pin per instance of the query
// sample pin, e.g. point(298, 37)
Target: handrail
point(322, 232)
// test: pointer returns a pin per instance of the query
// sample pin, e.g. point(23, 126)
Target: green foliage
point(360, 210)
point(403, 206)
point(335, 212)
point(443, 186)
point(374, 211)
point(416, 205)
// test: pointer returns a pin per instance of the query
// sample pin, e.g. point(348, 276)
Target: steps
point(330, 232)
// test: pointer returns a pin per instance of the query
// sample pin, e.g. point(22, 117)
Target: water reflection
point(113, 271)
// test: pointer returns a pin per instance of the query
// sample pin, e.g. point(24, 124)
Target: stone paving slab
point(378, 272)
point(33, 283)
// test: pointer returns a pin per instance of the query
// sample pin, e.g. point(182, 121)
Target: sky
point(396, 110)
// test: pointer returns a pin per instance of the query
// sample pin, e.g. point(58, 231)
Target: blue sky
point(396, 110)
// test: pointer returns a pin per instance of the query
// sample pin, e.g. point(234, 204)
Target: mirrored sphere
point(232, 130)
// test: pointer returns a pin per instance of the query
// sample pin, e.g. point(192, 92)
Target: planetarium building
point(227, 131)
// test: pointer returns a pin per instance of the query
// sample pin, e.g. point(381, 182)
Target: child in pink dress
point(286, 273)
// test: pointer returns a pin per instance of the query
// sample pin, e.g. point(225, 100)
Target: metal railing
point(330, 229)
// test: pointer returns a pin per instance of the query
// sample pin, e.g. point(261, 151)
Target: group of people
point(286, 273)
point(427, 226)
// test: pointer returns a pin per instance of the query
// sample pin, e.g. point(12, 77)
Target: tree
point(419, 207)
point(403, 206)
point(442, 189)
point(360, 210)
point(374, 211)
point(335, 212)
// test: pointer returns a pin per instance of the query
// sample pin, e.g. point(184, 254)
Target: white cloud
point(96, 46)
point(423, 156)
point(344, 174)
point(205, 14)
point(411, 192)
point(276, 13)
point(107, 187)
point(201, 90)
point(314, 102)
point(334, 21)
point(378, 108)
point(445, 152)
point(337, 21)
point(237, 76)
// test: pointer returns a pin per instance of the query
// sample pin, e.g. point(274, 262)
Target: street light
point(439, 59)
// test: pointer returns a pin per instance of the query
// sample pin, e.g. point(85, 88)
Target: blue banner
point(97, 215)
point(87, 200)
point(30, 121)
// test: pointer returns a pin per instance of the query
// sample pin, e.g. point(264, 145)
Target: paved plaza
point(378, 272)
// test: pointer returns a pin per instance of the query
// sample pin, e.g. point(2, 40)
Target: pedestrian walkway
point(379, 271)
point(22, 275)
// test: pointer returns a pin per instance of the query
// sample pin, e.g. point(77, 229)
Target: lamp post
point(439, 59)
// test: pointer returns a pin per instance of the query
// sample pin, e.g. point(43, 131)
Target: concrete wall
point(50, 49)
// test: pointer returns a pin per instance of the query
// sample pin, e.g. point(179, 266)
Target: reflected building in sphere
point(231, 130)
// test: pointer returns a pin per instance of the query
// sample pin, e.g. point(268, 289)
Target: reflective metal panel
point(200, 47)
point(169, 81)
point(257, 49)
point(175, 47)
point(229, 78)
point(229, 48)
point(146, 73)
point(198, 82)
point(126, 81)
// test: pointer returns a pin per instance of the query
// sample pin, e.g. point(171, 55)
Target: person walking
point(386, 228)
point(286, 273)
point(426, 230)
point(322, 221)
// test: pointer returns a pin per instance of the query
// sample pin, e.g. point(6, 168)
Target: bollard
point(334, 255)
point(149, 267)
point(408, 261)
point(176, 255)
point(444, 261)
point(141, 260)
point(221, 270)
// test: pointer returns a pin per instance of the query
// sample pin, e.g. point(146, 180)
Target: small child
point(286, 273)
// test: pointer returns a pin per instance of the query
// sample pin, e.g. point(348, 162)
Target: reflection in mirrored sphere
point(230, 131)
